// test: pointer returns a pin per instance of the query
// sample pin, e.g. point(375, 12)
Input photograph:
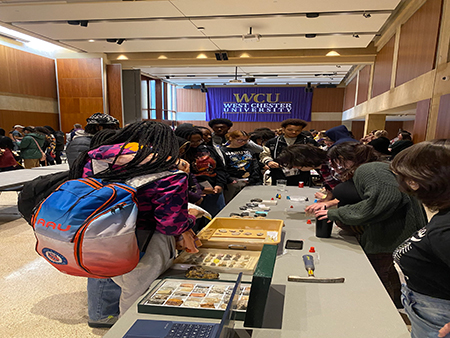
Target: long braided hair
point(153, 138)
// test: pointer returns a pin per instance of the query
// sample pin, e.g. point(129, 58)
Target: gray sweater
point(388, 215)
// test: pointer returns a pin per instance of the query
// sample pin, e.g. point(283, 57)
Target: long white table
point(360, 307)
point(15, 179)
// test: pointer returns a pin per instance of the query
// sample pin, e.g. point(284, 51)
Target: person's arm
point(256, 148)
point(266, 158)
point(444, 331)
point(169, 198)
point(255, 173)
point(221, 175)
point(25, 143)
point(380, 198)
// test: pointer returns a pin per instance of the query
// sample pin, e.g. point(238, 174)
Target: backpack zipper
point(79, 236)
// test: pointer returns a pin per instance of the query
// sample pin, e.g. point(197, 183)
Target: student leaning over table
point(424, 258)
point(139, 149)
point(387, 215)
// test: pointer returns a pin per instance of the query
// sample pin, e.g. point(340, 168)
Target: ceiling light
point(162, 57)
point(120, 41)
point(355, 36)
point(244, 55)
point(91, 40)
point(333, 53)
point(111, 40)
point(200, 28)
point(310, 36)
point(201, 56)
point(122, 57)
point(84, 23)
point(338, 66)
point(73, 22)
point(367, 15)
point(312, 15)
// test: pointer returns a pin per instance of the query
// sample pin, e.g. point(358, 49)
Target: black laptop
point(144, 328)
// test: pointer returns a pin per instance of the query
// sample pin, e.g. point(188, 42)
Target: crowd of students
point(363, 193)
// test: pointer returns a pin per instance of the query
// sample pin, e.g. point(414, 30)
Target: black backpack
point(37, 190)
point(59, 136)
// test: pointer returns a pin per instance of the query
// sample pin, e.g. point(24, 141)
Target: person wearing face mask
point(240, 163)
point(292, 134)
point(387, 215)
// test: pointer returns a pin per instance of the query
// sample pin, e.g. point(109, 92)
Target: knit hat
point(100, 118)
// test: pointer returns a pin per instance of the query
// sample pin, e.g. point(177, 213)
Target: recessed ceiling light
point(333, 53)
point(244, 55)
point(200, 28)
point(201, 56)
point(162, 57)
point(91, 40)
point(122, 57)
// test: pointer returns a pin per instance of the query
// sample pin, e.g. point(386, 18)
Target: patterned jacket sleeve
point(168, 198)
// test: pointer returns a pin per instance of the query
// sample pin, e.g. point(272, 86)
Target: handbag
point(43, 157)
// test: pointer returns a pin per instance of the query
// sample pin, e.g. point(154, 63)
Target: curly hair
point(427, 164)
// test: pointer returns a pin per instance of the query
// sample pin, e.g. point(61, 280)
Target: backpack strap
point(140, 181)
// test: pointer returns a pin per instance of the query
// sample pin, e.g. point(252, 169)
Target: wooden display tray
point(238, 261)
point(271, 228)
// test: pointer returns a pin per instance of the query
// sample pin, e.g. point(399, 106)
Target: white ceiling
point(173, 26)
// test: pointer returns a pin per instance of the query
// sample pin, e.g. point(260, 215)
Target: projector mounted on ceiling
point(235, 80)
point(251, 37)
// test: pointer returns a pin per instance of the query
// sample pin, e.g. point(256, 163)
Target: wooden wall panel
point(114, 91)
point(418, 42)
point(80, 90)
point(250, 126)
point(409, 125)
point(358, 129)
point(363, 85)
point(383, 69)
point(26, 74)
point(327, 100)
point(419, 129)
point(350, 92)
point(191, 100)
point(9, 118)
point(443, 122)
point(392, 128)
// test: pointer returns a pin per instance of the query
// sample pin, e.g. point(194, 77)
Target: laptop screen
point(226, 329)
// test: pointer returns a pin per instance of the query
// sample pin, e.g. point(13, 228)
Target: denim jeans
point(427, 314)
point(213, 203)
point(103, 298)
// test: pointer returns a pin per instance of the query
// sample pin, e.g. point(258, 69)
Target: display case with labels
point(219, 260)
point(241, 233)
point(199, 298)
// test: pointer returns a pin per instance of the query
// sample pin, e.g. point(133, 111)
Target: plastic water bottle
point(312, 252)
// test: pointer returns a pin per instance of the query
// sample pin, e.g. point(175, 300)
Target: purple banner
point(252, 104)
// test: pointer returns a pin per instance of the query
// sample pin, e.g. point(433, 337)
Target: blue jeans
point(103, 298)
point(213, 203)
point(427, 314)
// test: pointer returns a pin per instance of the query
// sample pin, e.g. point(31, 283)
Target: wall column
point(374, 121)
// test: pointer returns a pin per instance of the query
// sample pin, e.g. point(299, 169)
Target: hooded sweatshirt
point(162, 204)
point(339, 134)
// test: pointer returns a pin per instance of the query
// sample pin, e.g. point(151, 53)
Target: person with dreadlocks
point(141, 148)
point(207, 167)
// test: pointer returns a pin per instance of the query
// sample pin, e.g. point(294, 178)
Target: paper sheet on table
point(206, 214)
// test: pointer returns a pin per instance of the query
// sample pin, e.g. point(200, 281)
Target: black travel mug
point(324, 228)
